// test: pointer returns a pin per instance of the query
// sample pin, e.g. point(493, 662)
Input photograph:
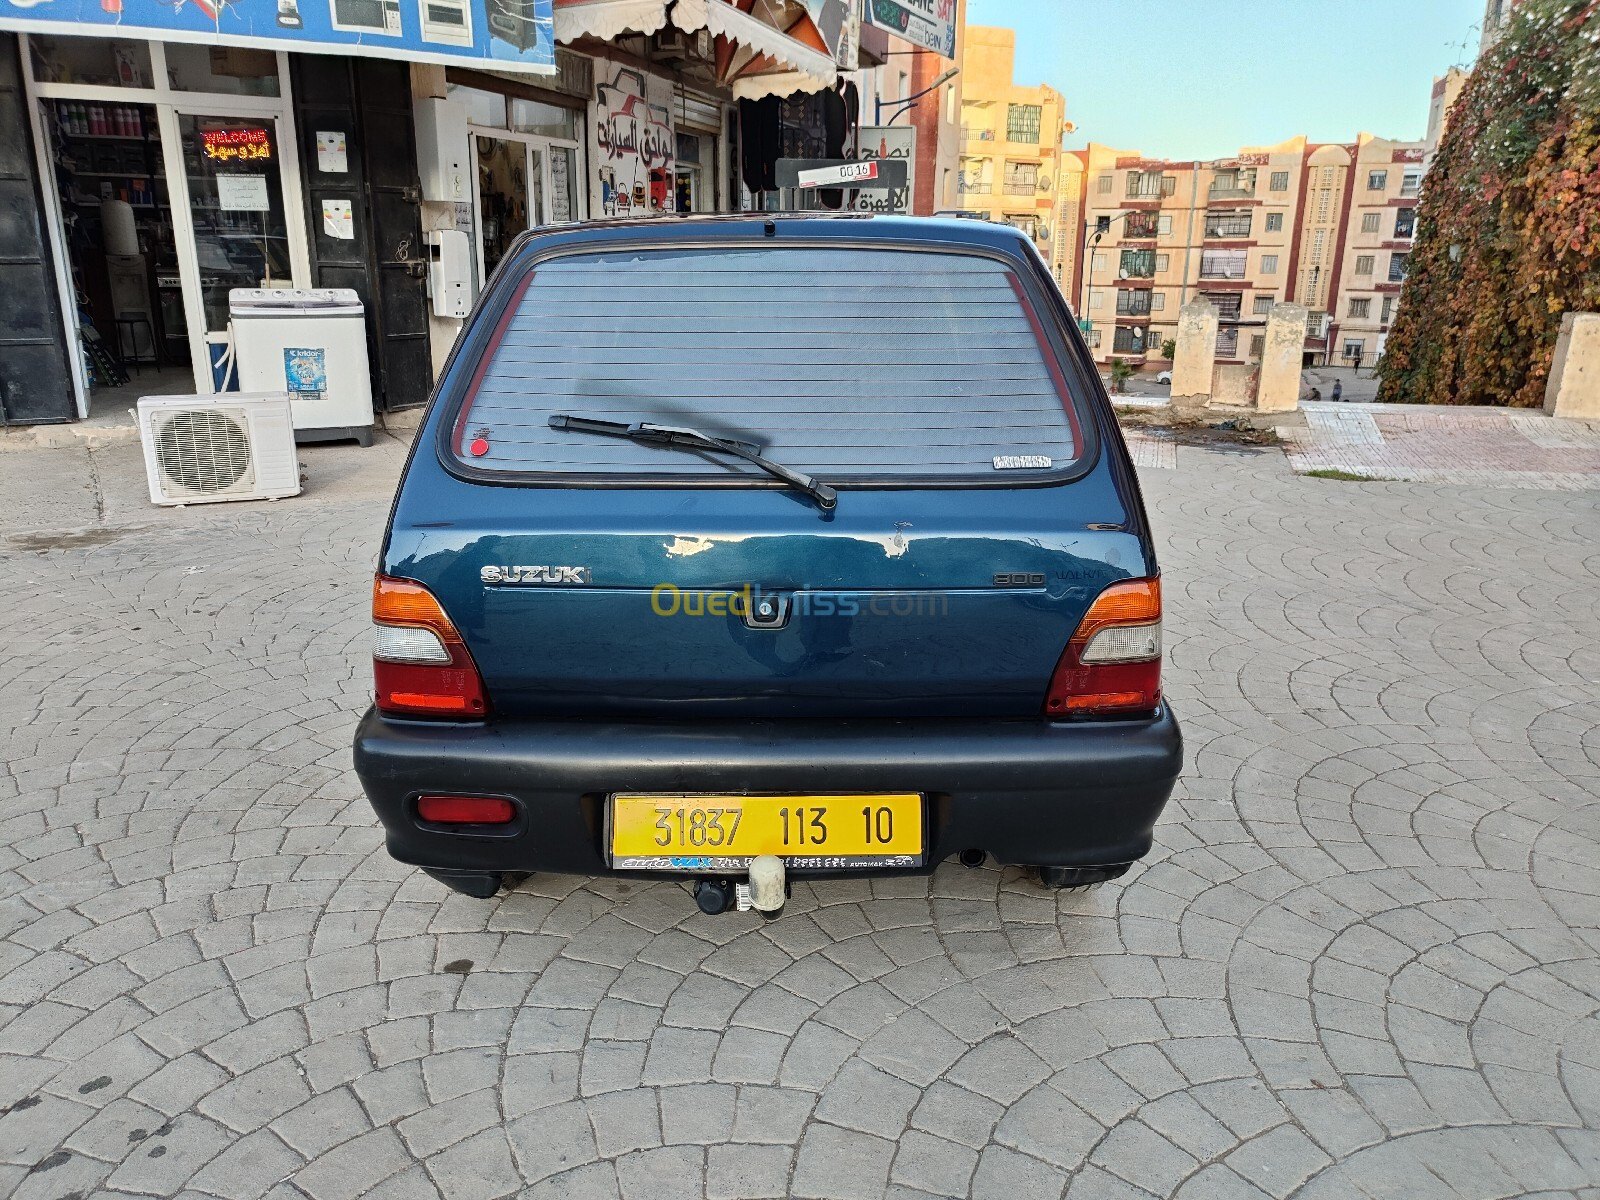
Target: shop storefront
point(145, 179)
point(169, 176)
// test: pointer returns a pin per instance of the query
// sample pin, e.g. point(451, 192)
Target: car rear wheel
point(1062, 878)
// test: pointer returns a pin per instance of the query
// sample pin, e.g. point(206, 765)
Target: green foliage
point(1169, 349)
point(1121, 372)
point(1515, 192)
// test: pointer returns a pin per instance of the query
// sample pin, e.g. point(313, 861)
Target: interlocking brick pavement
point(1484, 447)
point(1362, 960)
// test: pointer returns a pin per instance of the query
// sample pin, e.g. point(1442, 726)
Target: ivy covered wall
point(1508, 232)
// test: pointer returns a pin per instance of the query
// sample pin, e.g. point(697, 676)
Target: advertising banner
point(889, 142)
point(507, 35)
point(930, 24)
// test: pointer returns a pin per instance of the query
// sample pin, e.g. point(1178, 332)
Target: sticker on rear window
point(1017, 462)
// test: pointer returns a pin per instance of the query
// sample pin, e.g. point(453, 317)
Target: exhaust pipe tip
point(973, 857)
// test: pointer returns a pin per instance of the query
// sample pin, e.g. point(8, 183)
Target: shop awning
point(758, 58)
point(606, 19)
point(764, 47)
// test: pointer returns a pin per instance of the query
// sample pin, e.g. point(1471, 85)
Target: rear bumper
point(1037, 792)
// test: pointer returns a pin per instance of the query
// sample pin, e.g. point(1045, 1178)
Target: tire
point(1064, 878)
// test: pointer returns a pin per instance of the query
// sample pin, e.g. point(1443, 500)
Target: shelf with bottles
point(82, 119)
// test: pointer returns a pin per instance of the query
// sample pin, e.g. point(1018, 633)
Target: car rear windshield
point(842, 362)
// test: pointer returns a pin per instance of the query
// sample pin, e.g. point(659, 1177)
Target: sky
point(1201, 78)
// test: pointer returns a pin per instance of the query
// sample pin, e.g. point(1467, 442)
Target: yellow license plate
point(699, 832)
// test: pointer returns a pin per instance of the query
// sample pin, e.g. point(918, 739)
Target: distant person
point(1316, 394)
point(1338, 389)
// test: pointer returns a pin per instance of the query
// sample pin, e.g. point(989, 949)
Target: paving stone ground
point(1363, 960)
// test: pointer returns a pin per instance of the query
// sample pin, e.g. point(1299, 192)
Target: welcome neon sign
point(236, 145)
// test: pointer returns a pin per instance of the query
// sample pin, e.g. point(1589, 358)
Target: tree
point(1169, 349)
point(1121, 372)
point(1508, 230)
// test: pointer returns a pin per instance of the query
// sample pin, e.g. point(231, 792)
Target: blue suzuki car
point(744, 549)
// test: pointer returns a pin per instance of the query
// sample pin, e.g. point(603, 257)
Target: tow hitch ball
point(765, 891)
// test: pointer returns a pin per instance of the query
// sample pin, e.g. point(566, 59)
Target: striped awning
point(764, 47)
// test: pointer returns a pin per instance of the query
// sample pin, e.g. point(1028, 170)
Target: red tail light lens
point(465, 810)
point(1112, 665)
point(420, 665)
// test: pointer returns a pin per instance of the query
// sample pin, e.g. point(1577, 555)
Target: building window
point(1158, 301)
point(1369, 222)
point(1098, 263)
point(1103, 185)
point(1102, 224)
point(1354, 347)
point(1263, 305)
point(1128, 339)
point(1228, 225)
point(1022, 179)
point(1258, 344)
point(1315, 323)
point(1096, 297)
point(1274, 222)
point(1227, 343)
point(1280, 181)
point(1360, 308)
point(1398, 265)
point(1223, 264)
point(1388, 310)
point(1133, 302)
point(1364, 264)
point(1094, 338)
point(1137, 264)
point(1269, 264)
point(1141, 225)
point(1377, 180)
point(1163, 261)
point(1405, 222)
point(1239, 182)
point(1228, 304)
point(1164, 224)
point(1144, 184)
point(1022, 123)
point(1411, 184)
point(1169, 185)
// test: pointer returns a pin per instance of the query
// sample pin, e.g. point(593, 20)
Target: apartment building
point(1380, 226)
point(1295, 221)
point(1158, 233)
point(1011, 155)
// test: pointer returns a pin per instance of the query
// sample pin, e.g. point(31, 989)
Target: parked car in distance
point(1164, 376)
point(746, 549)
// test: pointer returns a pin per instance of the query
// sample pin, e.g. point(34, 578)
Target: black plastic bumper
point(1036, 792)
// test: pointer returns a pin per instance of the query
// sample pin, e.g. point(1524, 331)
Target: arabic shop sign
point(930, 24)
point(506, 35)
point(236, 145)
point(635, 143)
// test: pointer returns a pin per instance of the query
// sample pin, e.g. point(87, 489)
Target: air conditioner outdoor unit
point(231, 446)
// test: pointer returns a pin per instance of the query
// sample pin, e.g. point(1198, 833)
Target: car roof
point(795, 226)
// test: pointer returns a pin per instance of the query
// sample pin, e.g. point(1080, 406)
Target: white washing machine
point(311, 343)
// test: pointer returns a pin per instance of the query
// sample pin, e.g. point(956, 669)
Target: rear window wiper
point(693, 439)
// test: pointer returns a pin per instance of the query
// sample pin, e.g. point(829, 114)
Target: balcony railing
point(1018, 188)
point(1137, 307)
point(970, 133)
point(1230, 192)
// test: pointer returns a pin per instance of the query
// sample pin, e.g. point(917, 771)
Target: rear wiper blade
point(693, 439)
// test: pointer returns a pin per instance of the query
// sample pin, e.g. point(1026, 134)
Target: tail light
point(419, 663)
point(1112, 665)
